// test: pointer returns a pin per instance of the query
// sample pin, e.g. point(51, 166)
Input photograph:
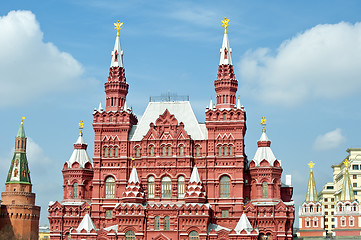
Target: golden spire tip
point(264, 123)
point(225, 24)
point(311, 164)
point(118, 25)
point(22, 120)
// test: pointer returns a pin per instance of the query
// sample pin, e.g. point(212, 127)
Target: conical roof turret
point(195, 191)
point(244, 224)
point(19, 169)
point(264, 151)
point(311, 195)
point(79, 155)
point(225, 50)
point(86, 224)
point(347, 189)
point(133, 192)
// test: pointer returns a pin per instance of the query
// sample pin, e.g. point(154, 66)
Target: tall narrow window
point(105, 152)
point(137, 152)
point(109, 187)
point(264, 190)
point(166, 223)
point(151, 187)
point(193, 235)
point(181, 150)
point(130, 235)
point(225, 150)
point(166, 187)
point(111, 118)
point(180, 187)
point(163, 150)
point(115, 151)
point(225, 116)
point(197, 151)
point(230, 150)
point(225, 184)
point(110, 152)
point(169, 150)
point(151, 151)
point(75, 190)
point(156, 223)
point(219, 151)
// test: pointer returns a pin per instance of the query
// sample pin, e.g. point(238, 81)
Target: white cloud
point(329, 140)
point(322, 62)
point(30, 67)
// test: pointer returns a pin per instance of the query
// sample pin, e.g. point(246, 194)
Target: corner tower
point(111, 142)
point(226, 127)
point(18, 211)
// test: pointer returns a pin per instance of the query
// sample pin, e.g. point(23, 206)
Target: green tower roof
point(21, 132)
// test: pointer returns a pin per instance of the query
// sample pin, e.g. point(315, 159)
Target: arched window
point(110, 152)
point(137, 152)
point(197, 151)
point(151, 187)
point(181, 150)
point(115, 151)
point(343, 222)
point(105, 152)
point(351, 221)
point(311, 208)
point(130, 235)
point(75, 190)
point(180, 187)
point(307, 221)
point(225, 184)
point(169, 150)
point(264, 190)
point(315, 222)
point(193, 235)
point(230, 150)
point(219, 150)
point(111, 119)
point(151, 150)
point(340, 208)
point(109, 187)
point(166, 223)
point(354, 207)
point(225, 150)
point(166, 187)
point(156, 223)
point(163, 150)
point(225, 116)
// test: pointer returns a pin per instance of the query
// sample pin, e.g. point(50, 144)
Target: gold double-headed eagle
point(118, 25)
point(225, 24)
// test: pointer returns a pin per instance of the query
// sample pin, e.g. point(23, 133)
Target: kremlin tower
point(19, 215)
point(311, 214)
point(168, 176)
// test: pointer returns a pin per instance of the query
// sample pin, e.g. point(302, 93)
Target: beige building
point(331, 191)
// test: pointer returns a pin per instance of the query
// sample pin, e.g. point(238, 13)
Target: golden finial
point(87, 210)
point(22, 120)
point(118, 25)
point(346, 162)
point(311, 164)
point(263, 123)
point(133, 161)
point(225, 24)
point(81, 125)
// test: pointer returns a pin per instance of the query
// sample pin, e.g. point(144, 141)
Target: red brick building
point(167, 176)
point(19, 216)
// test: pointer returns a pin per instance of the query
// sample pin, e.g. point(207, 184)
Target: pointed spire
point(117, 53)
point(86, 224)
point(211, 104)
point(225, 49)
point(100, 109)
point(311, 195)
point(133, 192)
point(125, 106)
point(19, 170)
point(21, 132)
point(243, 223)
point(195, 192)
point(133, 178)
point(239, 103)
point(347, 189)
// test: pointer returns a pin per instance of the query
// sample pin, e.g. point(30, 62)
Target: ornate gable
point(166, 127)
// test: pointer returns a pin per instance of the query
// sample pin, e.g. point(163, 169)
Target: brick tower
point(311, 214)
point(19, 215)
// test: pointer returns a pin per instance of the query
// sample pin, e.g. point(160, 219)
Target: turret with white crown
point(195, 192)
point(133, 192)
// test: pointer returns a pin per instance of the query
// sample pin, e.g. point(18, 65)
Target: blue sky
point(297, 63)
